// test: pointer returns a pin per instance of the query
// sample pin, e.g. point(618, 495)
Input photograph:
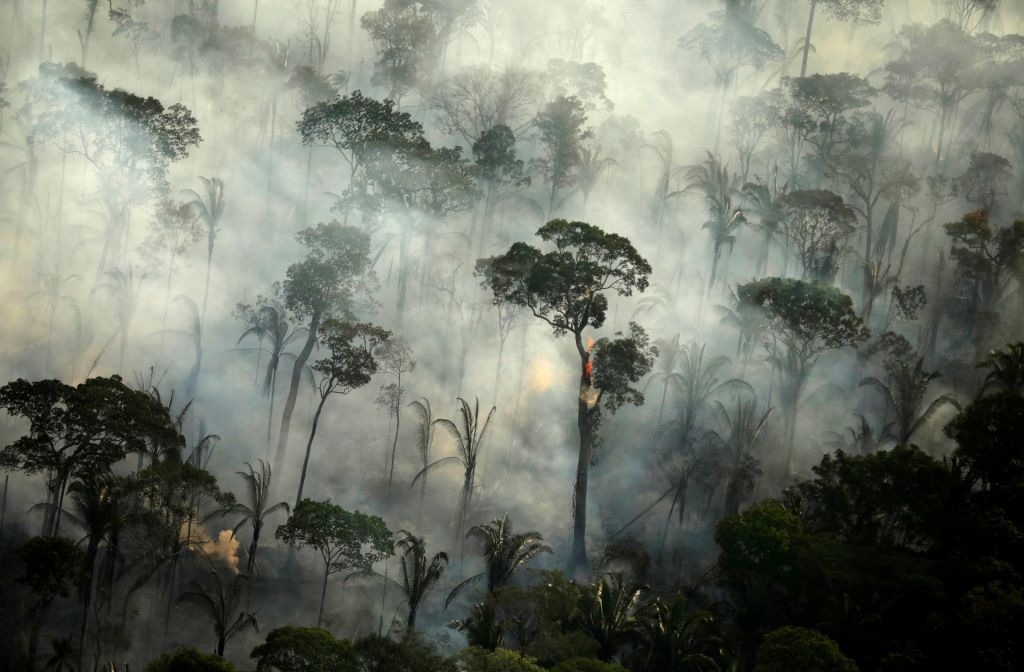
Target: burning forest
point(480, 336)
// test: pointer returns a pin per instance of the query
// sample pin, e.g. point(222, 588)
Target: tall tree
point(351, 361)
point(861, 11)
point(406, 39)
point(728, 43)
point(347, 541)
point(76, 432)
point(468, 436)
point(562, 132)
point(805, 319)
point(255, 509)
point(128, 141)
point(173, 231)
point(396, 360)
point(327, 283)
point(568, 288)
point(210, 209)
point(936, 68)
point(817, 223)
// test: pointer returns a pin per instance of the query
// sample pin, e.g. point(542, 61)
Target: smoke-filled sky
point(655, 105)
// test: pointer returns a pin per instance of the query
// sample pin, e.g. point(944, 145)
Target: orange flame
point(589, 368)
point(590, 344)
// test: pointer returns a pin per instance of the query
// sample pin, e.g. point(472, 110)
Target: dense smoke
point(716, 143)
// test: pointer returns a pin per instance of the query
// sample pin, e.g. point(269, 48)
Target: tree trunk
point(585, 422)
point(250, 565)
point(323, 597)
point(394, 445)
point(309, 446)
point(293, 390)
point(807, 38)
point(88, 30)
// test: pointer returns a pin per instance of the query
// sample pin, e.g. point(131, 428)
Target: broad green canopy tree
point(348, 541)
point(296, 649)
point(75, 432)
point(568, 288)
point(129, 141)
point(329, 282)
point(805, 319)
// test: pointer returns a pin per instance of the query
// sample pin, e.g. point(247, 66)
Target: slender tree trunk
point(42, 35)
point(394, 444)
point(807, 38)
point(255, 12)
point(309, 446)
point(3, 505)
point(293, 390)
point(323, 597)
point(270, 412)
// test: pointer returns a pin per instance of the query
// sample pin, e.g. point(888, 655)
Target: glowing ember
point(589, 368)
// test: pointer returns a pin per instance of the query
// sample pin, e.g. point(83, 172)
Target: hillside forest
point(494, 336)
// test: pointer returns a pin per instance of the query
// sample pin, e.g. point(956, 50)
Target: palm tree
point(123, 287)
point(608, 612)
point(589, 171)
point(219, 604)
point(713, 179)
point(1005, 369)
point(673, 636)
point(270, 323)
point(667, 173)
point(905, 394)
point(764, 201)
point(419, 576)
point(504, 553)
point(670, 353)
point(745, 427)
point(424, 440)
point(256, 509)
point(468, 442)
point(210, 211)
point(748, 321)
point(697, 382)
point(860, 439)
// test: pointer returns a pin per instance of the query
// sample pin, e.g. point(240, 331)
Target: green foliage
point(331, 277)
point(419, 575)
point(1005, 369)
point(381, 654)
point(621, 362)
point(567, 288)
point(809, 316)
point(987, 434)
point(52, 566)
point(561, 126)
point(189, 660)
point(347, 540)
point(608, 612)
point(359, 127)
point(350, 361)
point(587, 665)
point(792, 648)
point(888, 498)
point(758, 539)
point(474, 659)
point(297, 649)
